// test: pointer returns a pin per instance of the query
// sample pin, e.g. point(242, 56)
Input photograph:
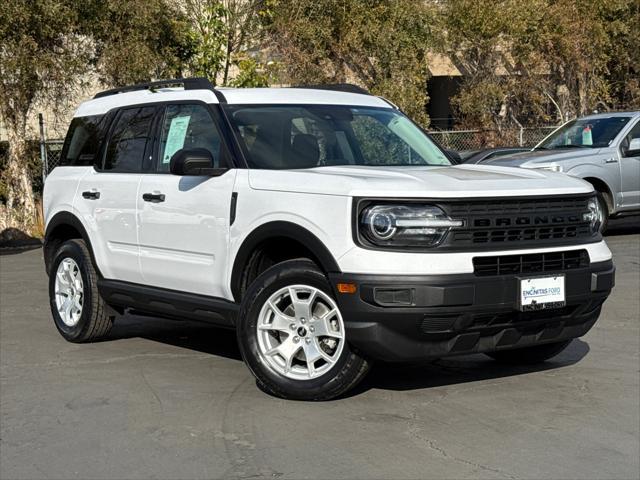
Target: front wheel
point(529, 355)
point(292, 336)
point(78, 310)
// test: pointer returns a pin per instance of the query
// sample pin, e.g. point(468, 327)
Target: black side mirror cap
point(194, 161)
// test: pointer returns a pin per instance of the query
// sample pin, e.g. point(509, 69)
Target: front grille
point(530, 263)
point(513, 222)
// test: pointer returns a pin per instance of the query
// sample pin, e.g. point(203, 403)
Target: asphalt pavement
point(167, 399)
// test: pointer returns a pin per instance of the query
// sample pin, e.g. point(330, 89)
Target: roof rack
point(338, 87)
point(198, 83)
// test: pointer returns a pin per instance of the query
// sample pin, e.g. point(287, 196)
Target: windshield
point(585, 133)
point(288, 136)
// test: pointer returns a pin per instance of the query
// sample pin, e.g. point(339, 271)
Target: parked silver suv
point(603, 149)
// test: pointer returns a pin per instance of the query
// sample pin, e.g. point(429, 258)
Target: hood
point(534, 157)
point(441, 181)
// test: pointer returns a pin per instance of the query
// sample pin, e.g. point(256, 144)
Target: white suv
point(322, 224)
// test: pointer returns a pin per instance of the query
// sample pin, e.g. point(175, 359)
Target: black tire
point(529, 355)
point(602, 202)
point(349, 369)
point(96, 318)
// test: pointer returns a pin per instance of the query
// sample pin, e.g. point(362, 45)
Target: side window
point(129, 140)
point(634, 134)
point(82, 142)
point(187, 127)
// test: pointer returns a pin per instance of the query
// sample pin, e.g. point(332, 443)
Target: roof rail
point(338, 87)
point(198, 83)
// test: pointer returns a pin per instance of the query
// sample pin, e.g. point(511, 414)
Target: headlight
point(404, 225)
point(593, 215)
point(551, 167)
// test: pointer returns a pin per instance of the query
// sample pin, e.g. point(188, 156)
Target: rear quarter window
point(82, 142)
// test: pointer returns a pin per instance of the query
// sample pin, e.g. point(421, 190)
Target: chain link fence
point(50, 155)
point(461, 140)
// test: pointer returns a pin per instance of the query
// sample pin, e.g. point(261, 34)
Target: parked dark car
point(490, 153)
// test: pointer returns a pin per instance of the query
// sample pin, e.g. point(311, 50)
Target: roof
point(611, 114)
point(260, 96)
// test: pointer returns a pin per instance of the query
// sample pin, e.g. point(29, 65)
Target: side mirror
point(195, 161)
point(455, 156)
point(633, 149)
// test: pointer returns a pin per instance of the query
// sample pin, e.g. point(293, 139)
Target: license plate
point(541, 293)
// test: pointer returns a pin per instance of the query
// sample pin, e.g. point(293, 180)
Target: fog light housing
point(393, 297)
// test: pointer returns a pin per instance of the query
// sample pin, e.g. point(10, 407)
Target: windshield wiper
point(558, 147)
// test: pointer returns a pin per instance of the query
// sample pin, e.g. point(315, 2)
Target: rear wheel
point(292, 335)
point(529, 355)
point(79, 312)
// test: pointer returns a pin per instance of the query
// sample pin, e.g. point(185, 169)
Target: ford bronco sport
point(322, 224)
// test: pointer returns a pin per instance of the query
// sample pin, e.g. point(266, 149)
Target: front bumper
point(463, 313)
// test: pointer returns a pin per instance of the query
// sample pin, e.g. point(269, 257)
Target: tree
point(542, 60)
point(473, 35)
point(208, 34)
point(379, 44)
point(48, 51)
point(136, 40)
point(621, 19)
point(38, 63)
point(564, 45)
point(243, 31)
point(221, 32)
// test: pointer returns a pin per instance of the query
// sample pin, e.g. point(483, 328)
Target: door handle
point(91, 195)
point(153, 197)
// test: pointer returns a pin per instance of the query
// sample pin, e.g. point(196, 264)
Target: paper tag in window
point(175, 137)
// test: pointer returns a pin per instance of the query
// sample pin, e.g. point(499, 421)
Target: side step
point(167, 303)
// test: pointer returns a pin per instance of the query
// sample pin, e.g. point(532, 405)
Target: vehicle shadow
point(459, 370)
point(196, 336)
point(221, 342)
point(623, 226)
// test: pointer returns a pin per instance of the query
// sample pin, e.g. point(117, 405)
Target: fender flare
point(587, 172)
point(280, 229)
point(584, 171)
point(66, 219)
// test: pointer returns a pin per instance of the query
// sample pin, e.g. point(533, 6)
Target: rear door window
point(82, 142)
point(130, 140)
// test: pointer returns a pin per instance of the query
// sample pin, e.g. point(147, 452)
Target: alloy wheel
point(69, 292)
point(300, 332)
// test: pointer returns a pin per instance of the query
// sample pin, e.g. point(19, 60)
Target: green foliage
point(252, 74)
point(622, 25)
point(208, 37)
point(33, 164)
point(380, 44)
point(135, 40)
point(541, 60)
point(42, 56)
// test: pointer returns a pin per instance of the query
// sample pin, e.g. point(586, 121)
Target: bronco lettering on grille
point(532, 220)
